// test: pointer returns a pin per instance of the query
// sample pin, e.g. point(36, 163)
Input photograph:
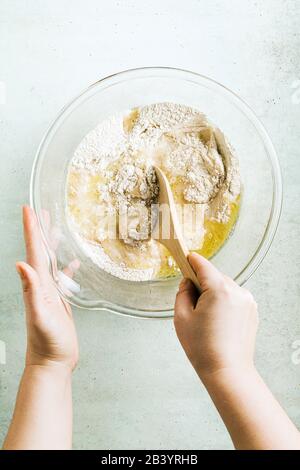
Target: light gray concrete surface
point(133, 387)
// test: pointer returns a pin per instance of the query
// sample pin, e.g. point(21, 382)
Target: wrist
point(229, 376)
point(54, 369)
point(45, 362)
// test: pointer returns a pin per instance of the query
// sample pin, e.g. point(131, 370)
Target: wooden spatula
point(175, 242)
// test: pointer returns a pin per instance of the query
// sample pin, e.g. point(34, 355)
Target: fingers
point(68, 286)
point(186, 298)
point(208, 276)
point(35, 251)
point(30, 283)
point(53, 234)
point(72, 267)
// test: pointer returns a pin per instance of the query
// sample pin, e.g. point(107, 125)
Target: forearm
point(253, 417)
point(43, 412)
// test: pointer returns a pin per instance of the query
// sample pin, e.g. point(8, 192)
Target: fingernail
point(184, 283)
point(74, 265)
point(20, 271)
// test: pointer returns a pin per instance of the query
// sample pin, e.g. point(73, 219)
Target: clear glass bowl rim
point(276, 207)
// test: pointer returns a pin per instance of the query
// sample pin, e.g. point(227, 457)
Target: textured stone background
point(133, 387)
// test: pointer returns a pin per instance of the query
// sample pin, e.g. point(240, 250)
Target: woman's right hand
point(217, 330)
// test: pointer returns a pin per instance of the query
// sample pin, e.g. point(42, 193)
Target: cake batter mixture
point(111, 185)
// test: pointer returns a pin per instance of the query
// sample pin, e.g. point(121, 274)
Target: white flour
point(121, 149)
point(103, 261)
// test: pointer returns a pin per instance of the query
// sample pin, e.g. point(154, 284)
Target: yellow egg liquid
point(216, 234)
point(83, 197)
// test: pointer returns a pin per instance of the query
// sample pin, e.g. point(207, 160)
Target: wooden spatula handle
point(189, 273)
point(180, 254)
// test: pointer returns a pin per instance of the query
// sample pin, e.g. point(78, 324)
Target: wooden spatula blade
point(174, 242)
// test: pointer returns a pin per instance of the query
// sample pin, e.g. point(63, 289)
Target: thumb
point(208, 276)
point(31, 285)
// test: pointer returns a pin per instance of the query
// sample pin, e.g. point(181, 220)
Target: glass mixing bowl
point(92, 288)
